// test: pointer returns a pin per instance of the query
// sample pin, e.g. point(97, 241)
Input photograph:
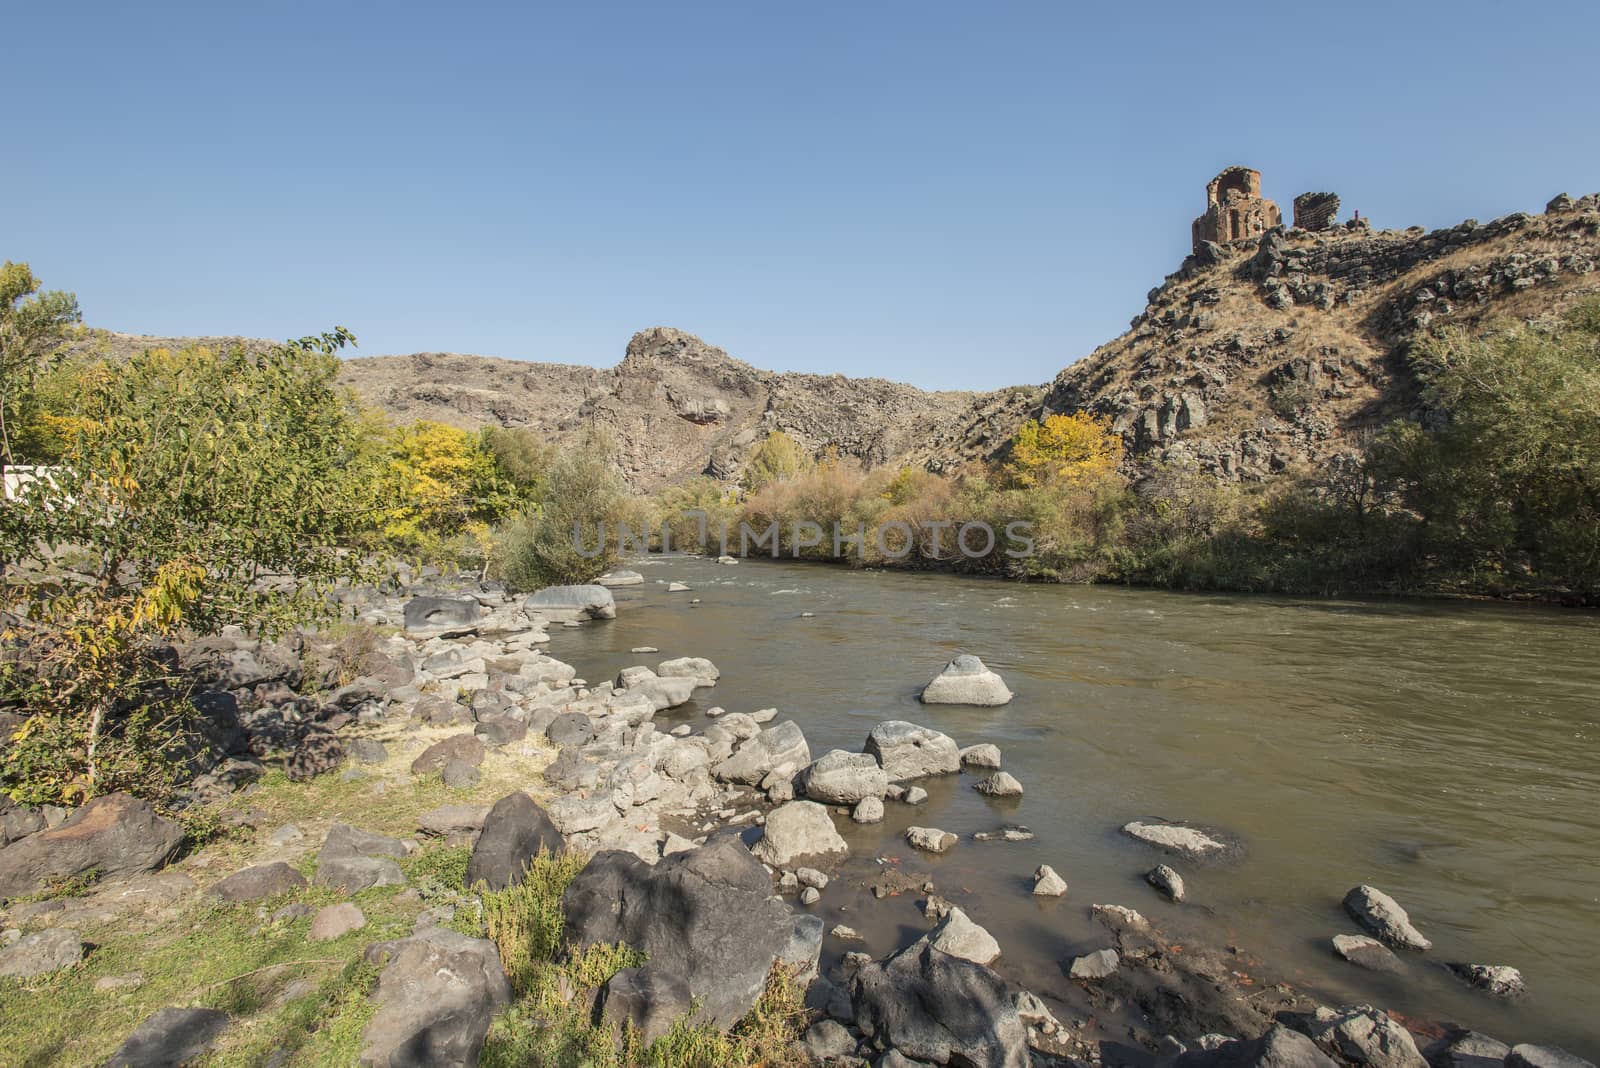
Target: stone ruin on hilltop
point(1236, 210)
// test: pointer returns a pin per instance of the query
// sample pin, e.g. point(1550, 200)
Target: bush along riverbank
point(419, 839)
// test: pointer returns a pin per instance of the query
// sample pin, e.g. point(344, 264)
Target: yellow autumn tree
point(440, 478)
point(1077, 448)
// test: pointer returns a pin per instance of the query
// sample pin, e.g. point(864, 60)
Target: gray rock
point(113, 835)
point(353, 859)
point(1000, 784)
point(958, 936)
point(698, 668)
point(1047, 883)
point(1501, 980)
point(705, 920)
point(1176, 837)
point(259, 883)
point(335, 921)
point(500, 730)
point(464, 747)
point(170, 1037)
point(452, 821)
point(571, 603)
point(934, 1007)
point(570, 730)
point(1167, 881)
point(1278, 1048)
point(827, 1038)
point(810, 896)
point(1097, 965)
point(1366, 1036)
point(780, 749)
point(42, 953)
point(798, 829)
point(368, 750)
point(442, 615)
point(907, 751)
point(619, 578)
point(983, 755)
point(434, 1001)
point(966, 681)
point(1527, 1055)
point(1382, 915)
point(868, 810)
point(318, 753)
point(930, 839)
point(839, 777)
point(1467, 1049)
point(514, 832)
point(1367, 953)
point(913, 795)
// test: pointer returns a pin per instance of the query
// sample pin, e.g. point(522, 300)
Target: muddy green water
point(1448, 754)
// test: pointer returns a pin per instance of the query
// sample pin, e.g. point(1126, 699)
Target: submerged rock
point(930, 839)
point(1176, 837)
point(1097, 965)
point(619, 578)
point(1382, 915)
point(1167, 881)
point(1366, 952)
point(1501, 980)
point(966, 681)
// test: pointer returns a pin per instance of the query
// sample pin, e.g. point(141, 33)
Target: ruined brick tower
point(1235, 209)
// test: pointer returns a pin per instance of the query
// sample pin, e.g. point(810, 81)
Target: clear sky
point(958, 195)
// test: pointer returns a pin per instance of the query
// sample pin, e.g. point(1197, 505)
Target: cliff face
point(1254, 357)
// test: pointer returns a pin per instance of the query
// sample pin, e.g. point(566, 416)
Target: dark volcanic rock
point(705, 920)
point(170, 1037)
point(259, 882)
point(113, 835)
point(464, 747)
point(935, 1007)
point(1278, 1048)
point(435, 999)
point(318, 753)
point(514, 832)
point(353, 859)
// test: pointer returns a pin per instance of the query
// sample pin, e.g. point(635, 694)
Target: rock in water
point(843, 778)
point(868, 810)
point(117, 834)
point(1383, 916)
point(958, 936)
point(983, 755)
point(170, 1037)
point(1278, 1048)
point(565, 604)
point(1467, 1049)
point(514, 832)
point(907, 751)
point(1527, 1055)
point(1047, 883)
point(1366, 952)
point(705, 921)
point(1000, 784)
point(1186, 840)
point(619, 578)
point(1097, 965)
point(965, 681)
point(930, 839)
point(1169, 882)
point(434, 1001)
point(931, 1006)
point(798, 829)
point(703, 671)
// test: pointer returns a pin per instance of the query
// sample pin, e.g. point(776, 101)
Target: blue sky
point(957, 195)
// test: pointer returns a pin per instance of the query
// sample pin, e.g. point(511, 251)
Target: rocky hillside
point(1252, 358)
point(1261, 355)
point(680, 407)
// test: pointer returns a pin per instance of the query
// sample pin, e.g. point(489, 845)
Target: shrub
point(574, 534)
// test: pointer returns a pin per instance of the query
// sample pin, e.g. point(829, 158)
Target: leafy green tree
point(522, 458)
point(561, 542)
point(32, 327)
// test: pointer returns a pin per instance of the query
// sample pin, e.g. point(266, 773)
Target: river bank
point(1199, 968)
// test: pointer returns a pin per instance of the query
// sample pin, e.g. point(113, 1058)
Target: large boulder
point(958, 936)
point(569, 604)
point(1382, 915)
point(703, 671)
point(353, 859)
point(705, 920)
point(434, 1001)
point(843, 778)
point(966, 681)
point(798, 829)
point(467, 748)
point(1364, 1035)
point(117, 834)
point(436, 616)
point(514, 832)
point(781, 749)
point(934, 1007)
point(907, 751)
point(1278, 1048)
point(170, 1037)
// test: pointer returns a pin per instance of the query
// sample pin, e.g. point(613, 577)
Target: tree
point(439, 478)
point(1078, 447)
point(201, 489)
point(574, 534)
point(32, 327)
point(779, 458)
point(521, 457)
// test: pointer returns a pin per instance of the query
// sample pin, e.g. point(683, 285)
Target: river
point(1446, 753)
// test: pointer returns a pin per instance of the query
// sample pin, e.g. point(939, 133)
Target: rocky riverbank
point(343, 765)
